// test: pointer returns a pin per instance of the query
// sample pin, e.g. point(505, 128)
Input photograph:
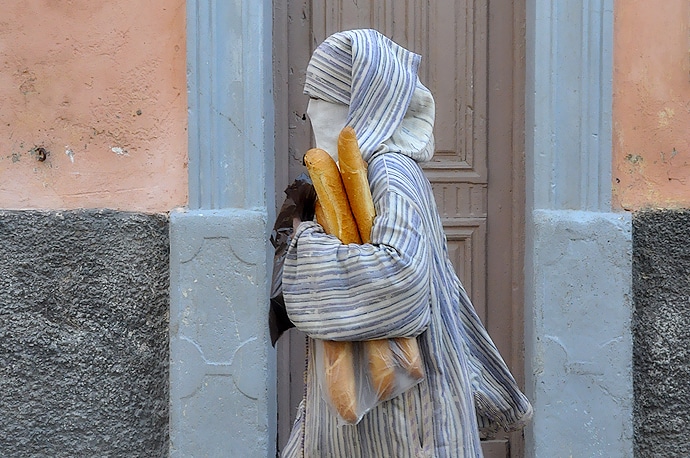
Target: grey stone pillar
point(578, 345)
point(222, 382)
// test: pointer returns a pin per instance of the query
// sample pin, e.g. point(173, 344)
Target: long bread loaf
point(331, 195)
point(353, 170)
point(334, 214)
point(381, 358)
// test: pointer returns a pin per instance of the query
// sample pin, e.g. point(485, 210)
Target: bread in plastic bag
point(351, 385)
point(354, 377)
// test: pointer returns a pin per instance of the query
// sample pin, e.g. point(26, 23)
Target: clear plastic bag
point(354, 377)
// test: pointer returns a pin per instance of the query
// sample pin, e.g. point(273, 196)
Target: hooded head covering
point(389, 108)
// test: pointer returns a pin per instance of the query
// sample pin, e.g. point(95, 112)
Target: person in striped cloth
point(402, 284)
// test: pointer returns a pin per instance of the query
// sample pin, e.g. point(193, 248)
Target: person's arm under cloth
point(361, 292)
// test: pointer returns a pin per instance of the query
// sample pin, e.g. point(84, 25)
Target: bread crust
point(381, 362)
point(321, 217)
point(332, 196)
point(340, 378)
point(353, 170)
point(409, 356)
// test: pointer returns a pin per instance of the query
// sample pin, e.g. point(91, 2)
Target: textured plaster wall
point(651, 104)
point(100, 85)
point(83, 334)
point(661, 266)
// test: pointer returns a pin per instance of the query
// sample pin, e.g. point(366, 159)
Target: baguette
point(340, 380)
point(321, 217)
point(353, 170)
point(332, 196)
point(334, 214)
point(345, 208)
point(382, 362)
point(409, 357)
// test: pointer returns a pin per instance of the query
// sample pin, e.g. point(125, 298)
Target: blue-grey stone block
point(578, 341)
point(222, 365)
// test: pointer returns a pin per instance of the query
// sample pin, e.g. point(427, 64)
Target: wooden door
point(473, 62)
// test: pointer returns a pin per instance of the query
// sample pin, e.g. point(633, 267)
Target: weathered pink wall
point(101, 86)
point(651, 104)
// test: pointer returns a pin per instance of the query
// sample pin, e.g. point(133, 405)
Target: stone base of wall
point(222, 365)
point(661, 286)
point(83, 334)
point(578, 342)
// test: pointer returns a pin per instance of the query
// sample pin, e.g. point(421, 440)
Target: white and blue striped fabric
point(389, 108)
point(402, 284)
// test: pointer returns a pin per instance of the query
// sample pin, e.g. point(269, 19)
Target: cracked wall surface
point(83, 334)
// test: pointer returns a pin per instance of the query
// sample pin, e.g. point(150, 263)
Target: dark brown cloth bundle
point(299, 202)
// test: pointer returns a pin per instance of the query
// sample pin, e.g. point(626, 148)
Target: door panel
point(479, 215)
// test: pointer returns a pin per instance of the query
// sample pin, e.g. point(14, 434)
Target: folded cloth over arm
point(361, 292)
